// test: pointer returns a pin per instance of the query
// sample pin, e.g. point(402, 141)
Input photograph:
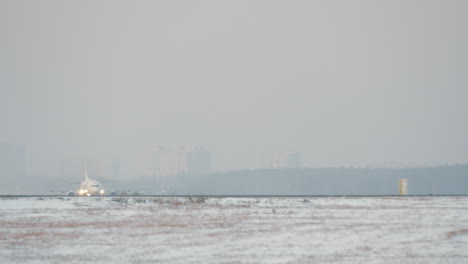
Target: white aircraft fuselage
point(90, 187)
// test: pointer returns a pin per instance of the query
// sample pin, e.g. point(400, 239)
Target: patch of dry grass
point(458, 232)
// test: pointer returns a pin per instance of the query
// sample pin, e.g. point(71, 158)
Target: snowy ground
point(234, 230)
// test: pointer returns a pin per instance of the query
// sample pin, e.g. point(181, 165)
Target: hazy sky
point(342, 82)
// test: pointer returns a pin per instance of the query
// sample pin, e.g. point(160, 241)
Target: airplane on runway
point(89, 187)
point(92, 187)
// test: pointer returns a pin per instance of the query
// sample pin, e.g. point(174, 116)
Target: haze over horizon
point(346, 83)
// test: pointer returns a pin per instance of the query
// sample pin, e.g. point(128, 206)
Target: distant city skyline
point(156, 162)
point(345, 83)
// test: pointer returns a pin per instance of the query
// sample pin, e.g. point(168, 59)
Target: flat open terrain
point(234, 230)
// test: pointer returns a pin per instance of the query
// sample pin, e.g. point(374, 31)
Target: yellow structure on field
point(403, 187)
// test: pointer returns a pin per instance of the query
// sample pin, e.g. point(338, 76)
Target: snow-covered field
point(234, 230)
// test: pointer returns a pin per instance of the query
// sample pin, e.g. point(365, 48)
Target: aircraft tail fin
point(86, 171)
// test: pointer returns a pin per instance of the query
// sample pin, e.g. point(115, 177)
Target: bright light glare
point(102, 191)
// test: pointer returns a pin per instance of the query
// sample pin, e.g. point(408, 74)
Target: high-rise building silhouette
point(12, 160)
point(198, 161)
point(283, 160)
point(169, 162)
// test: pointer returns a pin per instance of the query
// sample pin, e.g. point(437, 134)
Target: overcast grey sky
point(342, 82)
